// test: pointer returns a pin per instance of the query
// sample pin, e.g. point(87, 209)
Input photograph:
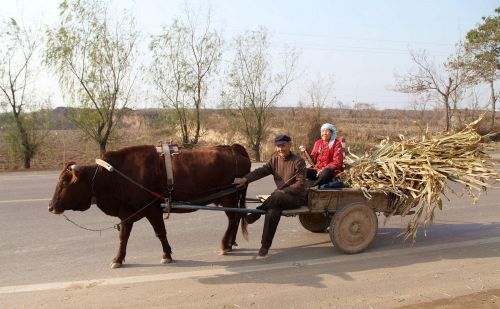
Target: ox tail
point(246, 167)
point(244, 224)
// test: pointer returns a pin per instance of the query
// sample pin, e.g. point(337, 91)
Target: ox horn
point(75, 171)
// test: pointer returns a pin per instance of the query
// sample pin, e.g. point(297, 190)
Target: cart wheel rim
point(354, 227)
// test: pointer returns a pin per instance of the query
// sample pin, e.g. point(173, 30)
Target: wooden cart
point(346, 214)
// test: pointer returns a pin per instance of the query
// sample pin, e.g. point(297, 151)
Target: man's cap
point(282, 138)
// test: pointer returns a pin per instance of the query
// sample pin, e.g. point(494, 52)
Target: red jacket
point(332, 158)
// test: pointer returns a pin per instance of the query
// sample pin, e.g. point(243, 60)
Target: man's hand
point(240, 182)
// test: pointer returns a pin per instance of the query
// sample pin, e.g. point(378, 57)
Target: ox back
point(202, 171)
point(197, 172)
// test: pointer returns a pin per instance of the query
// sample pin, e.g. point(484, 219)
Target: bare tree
point(445, 85)
point(169, 72)
point(94, 58)
point(253, 89)
point(341, 105)
point(184, 57)
point(472, 110)
point(319, 93)
point(419, 106)
point(17, 51)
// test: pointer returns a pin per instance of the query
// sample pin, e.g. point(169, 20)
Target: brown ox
point(197, 173)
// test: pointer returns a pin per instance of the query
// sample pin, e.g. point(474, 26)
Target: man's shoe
point(251, 218)
point(263, 251)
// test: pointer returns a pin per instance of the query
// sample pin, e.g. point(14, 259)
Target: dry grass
point(363, 129)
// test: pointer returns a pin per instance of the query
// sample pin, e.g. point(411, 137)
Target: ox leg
point(229, 238)
point(125, 229)
point(156, 221)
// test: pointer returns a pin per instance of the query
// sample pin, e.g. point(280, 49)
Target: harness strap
point(168, 165)
point(215, 195)
point(165, 149)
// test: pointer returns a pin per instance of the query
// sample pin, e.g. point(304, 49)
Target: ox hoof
point(224, 251)
point(116, 265)
point(166, 261)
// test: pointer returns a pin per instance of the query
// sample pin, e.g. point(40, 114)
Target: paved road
point(46, 261)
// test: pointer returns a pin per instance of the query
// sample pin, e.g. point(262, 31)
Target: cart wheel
point(314, 222)
point(353, 227)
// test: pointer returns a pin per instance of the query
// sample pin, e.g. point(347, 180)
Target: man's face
point(283, 149)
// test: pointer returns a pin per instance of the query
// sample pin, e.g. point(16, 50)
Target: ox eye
point(65, 181)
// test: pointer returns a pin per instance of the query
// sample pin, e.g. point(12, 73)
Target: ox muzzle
point(54, 209)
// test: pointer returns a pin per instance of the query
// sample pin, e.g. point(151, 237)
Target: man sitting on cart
point(289, 172)
point(327, 156)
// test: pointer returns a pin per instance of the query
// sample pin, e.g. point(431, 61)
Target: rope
point(139, 185)
point(86, 228)
point(116, 226)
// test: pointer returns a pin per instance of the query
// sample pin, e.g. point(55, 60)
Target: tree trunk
point(493, 104)
point(27, 162)
point(256, 149)
point(197, 132)
point(102, 148)
point(185, 134)
point(447, 113)
point(27, 154)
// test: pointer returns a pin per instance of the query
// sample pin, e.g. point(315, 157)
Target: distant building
point(363, 106)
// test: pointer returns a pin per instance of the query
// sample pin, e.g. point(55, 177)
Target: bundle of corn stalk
point(417, 173)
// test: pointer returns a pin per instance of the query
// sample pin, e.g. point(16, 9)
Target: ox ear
point(75, 171)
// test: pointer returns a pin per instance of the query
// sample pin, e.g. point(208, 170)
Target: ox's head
point(73, 190)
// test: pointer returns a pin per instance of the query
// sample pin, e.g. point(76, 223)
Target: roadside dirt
point(487, 299)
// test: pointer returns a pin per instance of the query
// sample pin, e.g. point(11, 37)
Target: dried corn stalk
point(416, 173)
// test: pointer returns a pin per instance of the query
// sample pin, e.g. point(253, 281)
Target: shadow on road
point(380, 255)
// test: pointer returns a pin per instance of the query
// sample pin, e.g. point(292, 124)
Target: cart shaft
point(197, 207)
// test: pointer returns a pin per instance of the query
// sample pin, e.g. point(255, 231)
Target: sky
point(362, 44)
